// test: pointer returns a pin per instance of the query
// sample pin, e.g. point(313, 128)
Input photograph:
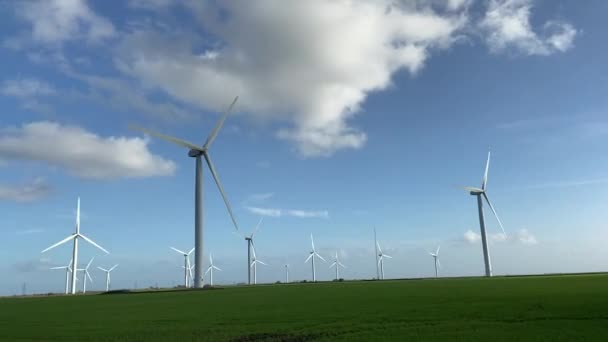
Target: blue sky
point(351, 115)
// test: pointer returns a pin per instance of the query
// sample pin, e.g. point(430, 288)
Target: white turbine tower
point(254, 264)
point(313, 255)
point(197, 152)
point(286, 273)
point(68, 270)
point(249, 240)
point(381, 257)
point(376, 255)
point(108, 275)
point(75, 237)
point(338, 264)
point(187, 268)
point(437, 263)
point(211, 268)
point(481, 193)
point(86, 275)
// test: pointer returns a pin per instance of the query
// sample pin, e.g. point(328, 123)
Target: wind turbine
point(108, 275)
point(286, 273)
point(481, 192)
point(211, 268)
point(338, 264)
point(86, 274)
point(197, 152)
point(313, 254)
point(254, 264)
point(187, 268)
point(75, 237)
point(376, 255)
point(68, 270)
point(381, 257)
point(250, 245)
point(437, 263)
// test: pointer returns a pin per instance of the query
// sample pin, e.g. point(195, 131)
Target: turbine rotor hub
point(194, 153)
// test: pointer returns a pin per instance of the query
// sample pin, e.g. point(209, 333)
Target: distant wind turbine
point(337, 264)
point(437, 263)
point(376, 255)
point(197, 152)
point(254, 264)
point(211, 268)
point(482, 193)
point(108, 275)
point(75, 237)
point(68, 270)
point(381, 257)
point(286, 273)
point(187, 268)
point(312, 256)
point(86, 275)
point(249, 240)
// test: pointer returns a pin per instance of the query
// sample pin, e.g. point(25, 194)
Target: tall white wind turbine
point(481, 193)
point(254, 264)
point(381, 257)
point(187, 268)
point(437, 263)
point(249, 239)
point(197, 152)
point(312, 256)
point(286, 273)
point(211, 268)
point(75, 237)
point(68, 270)
point(337, 264)
point(86, 275)
point(108, 275)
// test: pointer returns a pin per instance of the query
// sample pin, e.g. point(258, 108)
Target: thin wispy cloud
point(29, 231)
point(522, 236)
point(29, 192)
point(274, 212)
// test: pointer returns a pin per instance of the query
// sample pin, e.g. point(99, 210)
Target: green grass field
point(552, 308)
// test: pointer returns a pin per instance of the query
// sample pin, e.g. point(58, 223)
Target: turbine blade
point(113, 267)
point(310, 256)
point(312, 242)
point(495, 214)
point(59, 268)
point(219, 186)
point(379, 249)
point(472, 189)
point(339, 263)
point(320, 257)
point(93, 243)
point(178, 251)
point(78, 216)
point(103, 269)
point(217, 268)
point(257, 226)
point(88, 276)
point(207, 271)
point(437, 253)
point(168, 138)
point(438, 263)
point(219, 125)
point(89, 264)
point(60, 242)
point(485, 175)
point(261, 262)
point(192, 250)
point(387, 256)
point(332, 264)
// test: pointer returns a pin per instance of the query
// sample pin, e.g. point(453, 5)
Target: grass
point(553, 308)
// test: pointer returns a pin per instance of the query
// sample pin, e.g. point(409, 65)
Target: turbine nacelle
point(195, 153)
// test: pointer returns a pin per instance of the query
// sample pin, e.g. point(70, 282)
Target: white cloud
point(29, 231)
point(82, 153)
point(57, 21)
point(471, 237)
point(25, 88)
point(273, 212)
point(32, 191)
point(507, 25)
point(309, 63)
point(261, 197)
point(265, 211)
point(522, 236)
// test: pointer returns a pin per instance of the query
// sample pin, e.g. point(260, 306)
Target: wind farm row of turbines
point(193, 272)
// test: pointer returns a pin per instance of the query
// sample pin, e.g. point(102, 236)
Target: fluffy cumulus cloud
point(308, 63)
point(31, 191)
point(507, 25)
point(57, 21)
point(82, 153)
